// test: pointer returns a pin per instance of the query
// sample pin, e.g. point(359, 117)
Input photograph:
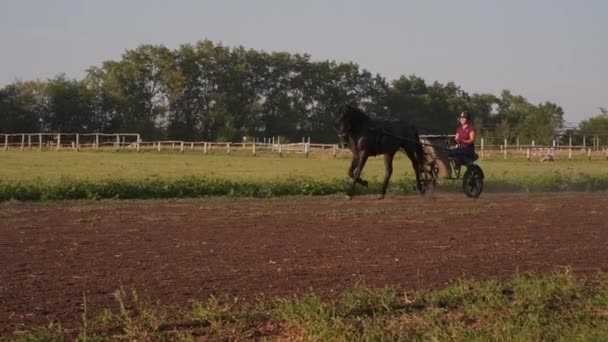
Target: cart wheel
point(472, 181)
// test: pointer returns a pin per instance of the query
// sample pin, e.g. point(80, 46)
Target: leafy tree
point(20, 106)
point(596, 126)
point(208, 91)
point(68, 107)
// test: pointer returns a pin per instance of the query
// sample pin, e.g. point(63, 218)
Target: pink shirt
point(464, 133)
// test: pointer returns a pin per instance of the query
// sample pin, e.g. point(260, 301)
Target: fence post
point(116, 147)
point(228, 148)
point(181, 147)
point(594, 142)
point(483, 154)
point(29, 141)
point(58, 141)
point(335, 150)
point(204, 148)
point(308, 147)
point(584, 141)
point(191, 146)
point(40, 142)
point(505, 149)
point(253, 147)
point(280, 148)
point(158, 146)
point(6, 142)
point(138, 142)
point(589, 153)
point(22, 141)
point(528, 153)
point(77, 142)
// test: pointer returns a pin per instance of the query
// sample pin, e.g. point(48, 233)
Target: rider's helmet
point(465, 114)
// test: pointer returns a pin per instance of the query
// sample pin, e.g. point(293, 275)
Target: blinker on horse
point(366, 136)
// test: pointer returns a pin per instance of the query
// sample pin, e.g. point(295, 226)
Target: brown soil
point(53, 254)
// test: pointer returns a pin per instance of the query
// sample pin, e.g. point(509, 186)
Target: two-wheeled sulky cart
point(438, 156)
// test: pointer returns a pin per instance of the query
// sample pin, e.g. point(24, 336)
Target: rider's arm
point(471, 138)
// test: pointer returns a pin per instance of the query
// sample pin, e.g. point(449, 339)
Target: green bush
point(191, 187)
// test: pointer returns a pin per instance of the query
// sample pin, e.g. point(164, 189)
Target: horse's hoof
point(380, 197)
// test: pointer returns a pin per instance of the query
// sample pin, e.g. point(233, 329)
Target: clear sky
point(544, 50)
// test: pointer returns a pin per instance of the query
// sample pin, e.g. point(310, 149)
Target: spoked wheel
point(429, 178)
point(472, 181)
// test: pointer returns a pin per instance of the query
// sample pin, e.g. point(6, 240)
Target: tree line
point(207, 91)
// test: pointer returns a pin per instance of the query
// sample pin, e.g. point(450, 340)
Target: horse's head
point(342, 122)
point(349, 120)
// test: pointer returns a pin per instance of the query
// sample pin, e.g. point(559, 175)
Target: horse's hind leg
point(351, 171)
point(417, 166)
point(388, 171)
point(360, 163)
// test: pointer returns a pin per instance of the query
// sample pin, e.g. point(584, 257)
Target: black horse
point(367, 137)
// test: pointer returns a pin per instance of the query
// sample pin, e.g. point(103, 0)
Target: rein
point(382, 131)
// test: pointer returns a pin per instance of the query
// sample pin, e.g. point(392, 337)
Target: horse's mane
point(356, 115)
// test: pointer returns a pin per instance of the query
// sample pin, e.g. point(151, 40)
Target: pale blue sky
point(544, 50)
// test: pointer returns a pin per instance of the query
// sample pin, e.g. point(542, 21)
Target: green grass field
point(33, 175)
point(554, 307)
point(51, 166)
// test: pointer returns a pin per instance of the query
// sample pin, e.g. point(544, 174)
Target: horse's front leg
point(361, 160)
point(388, 171)
point(351, 171)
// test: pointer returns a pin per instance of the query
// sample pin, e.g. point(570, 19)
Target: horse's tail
point(414, 148)
point(419, 149)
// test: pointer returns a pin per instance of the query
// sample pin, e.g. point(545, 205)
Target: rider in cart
point(465, 140)
point(442, 161)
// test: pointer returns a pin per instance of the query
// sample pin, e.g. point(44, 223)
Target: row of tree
point(207, 91)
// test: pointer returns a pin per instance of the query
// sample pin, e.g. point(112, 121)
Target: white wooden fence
point(75, 141)
point(132, 141)
point(591, 149)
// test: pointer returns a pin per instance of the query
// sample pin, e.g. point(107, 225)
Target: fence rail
point(132, 141)
point(75, 141)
